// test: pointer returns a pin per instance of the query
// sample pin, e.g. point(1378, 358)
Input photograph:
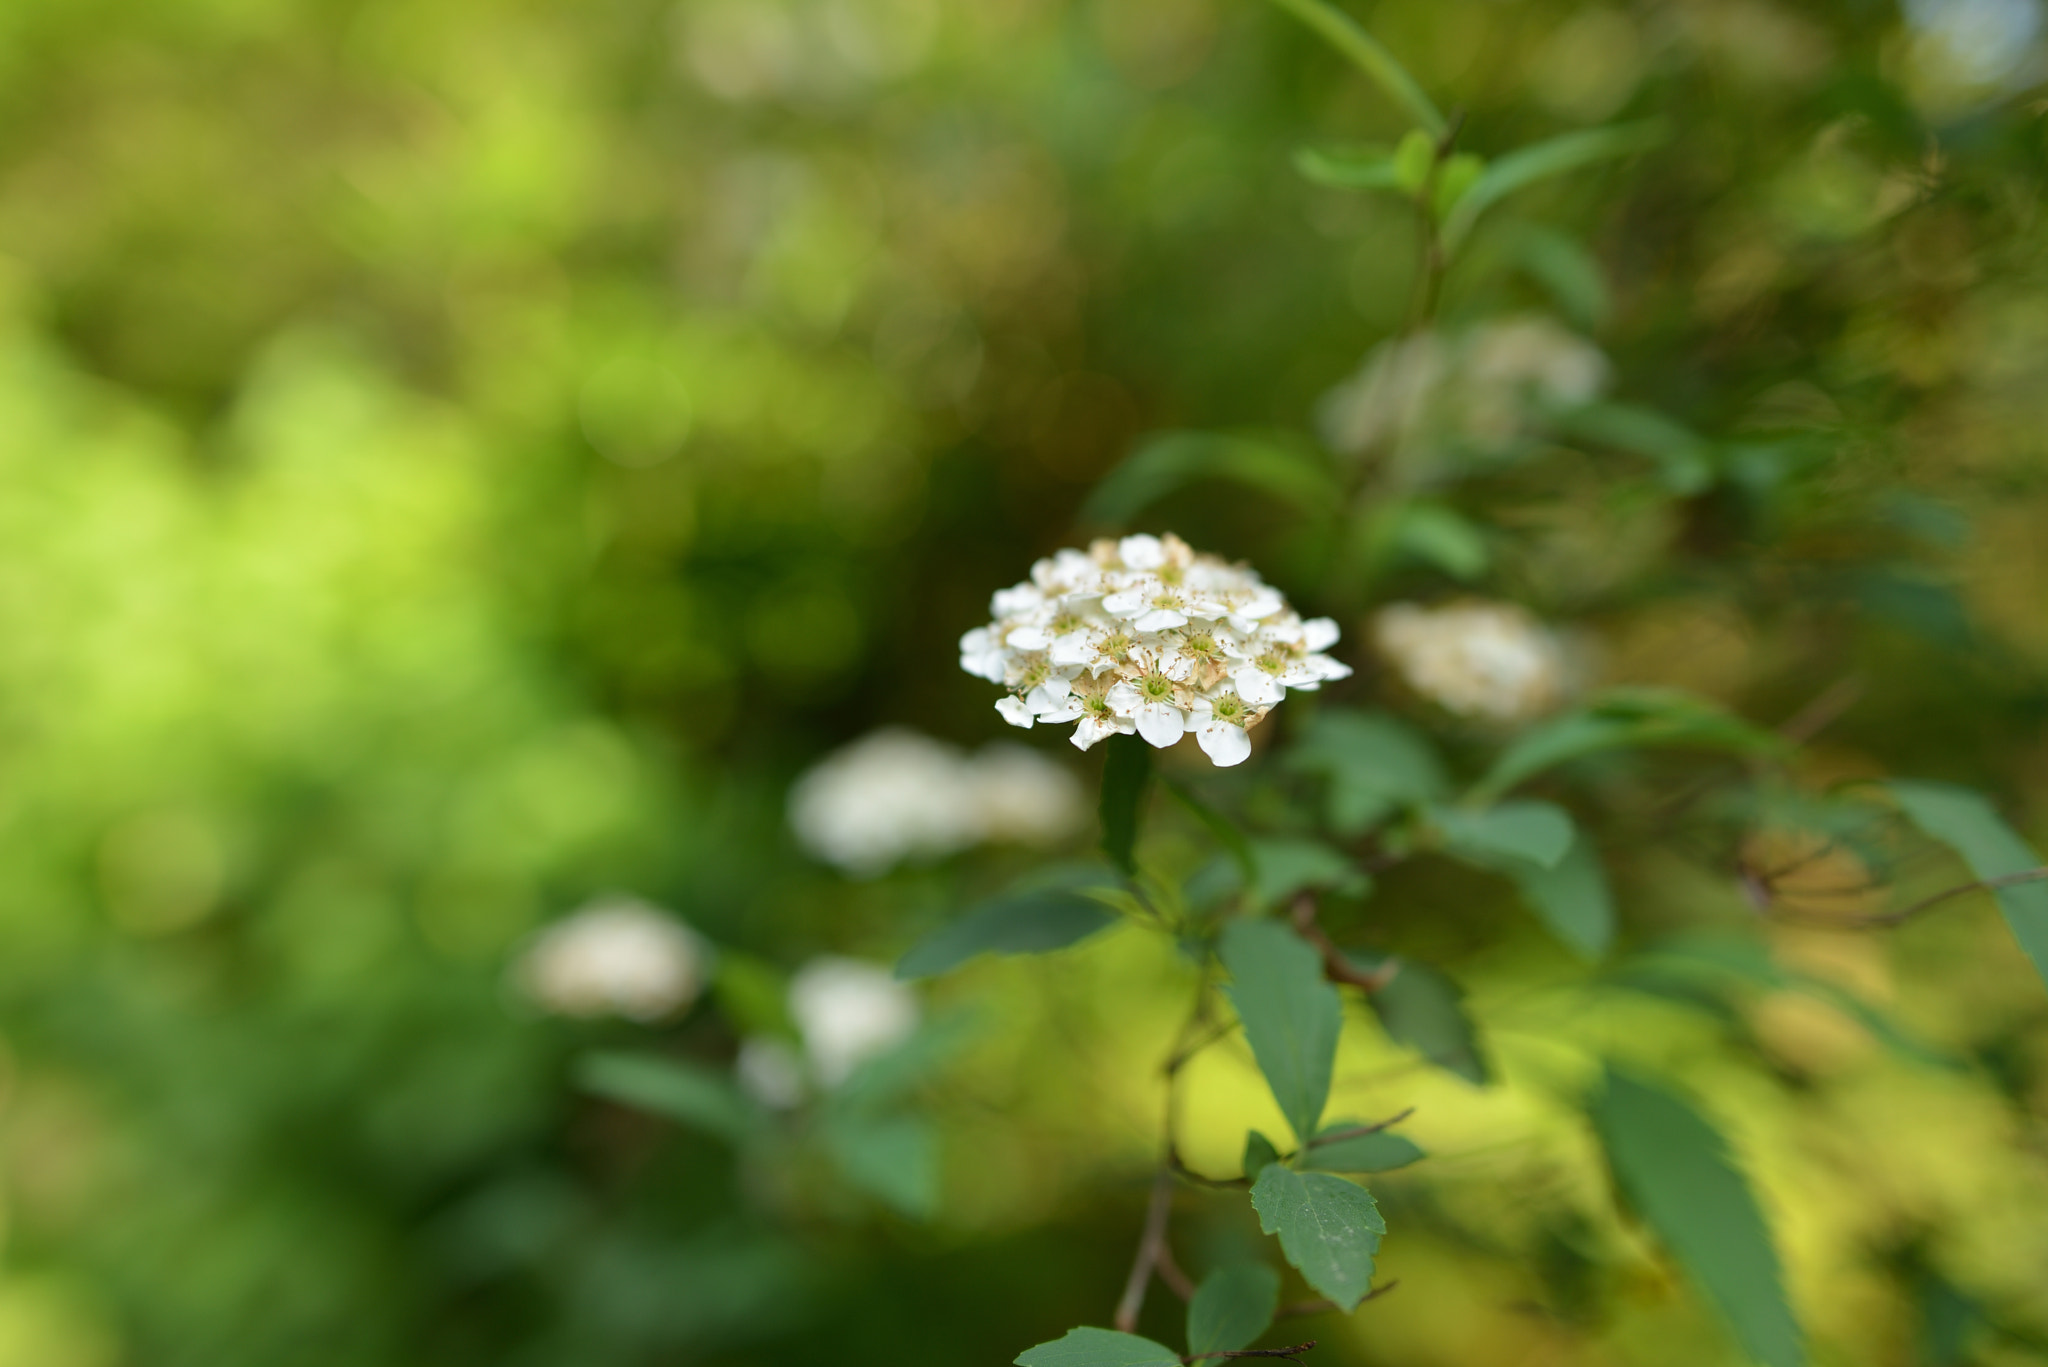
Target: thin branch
point(1336, 967)
point(1149, 1245)
point(1182, 1170)
point(1358, 1132)
point(1170, 1272)
point(1892, 918)
point(1318, 1306)
point(1289, 1353)
point(1824, 711)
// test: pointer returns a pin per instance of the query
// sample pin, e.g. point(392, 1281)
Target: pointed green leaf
point(1375, 765)
point(1537, 833)
point(1967, 823)
point(1684, 458)
point(1380, 1151)
point(1026, 920)
point(1098, 1348)
point(1572, 897)
point(1454, 179)
point(1527, 165)
point(671, 1088)
point(1291, 1015)
point(1126, 773)
point(892, 1158)
point(1348, 168)
point(1364, 51)
point(1675, 1170)
point(1287, 865)
point(1625, 718)
point(1424, 1010)
point(1328, 1227)
point(1258, 1151)
point(1233, 1305)
point(1165, 464)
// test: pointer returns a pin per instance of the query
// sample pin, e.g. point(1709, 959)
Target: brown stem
point(1892, 918)
point(1318, 1306)
point(1336, 967)
point(1170, 1272)
point(1149, 1245)
point(1810, 720)
point(1288, 1353)
point(1358, 1132)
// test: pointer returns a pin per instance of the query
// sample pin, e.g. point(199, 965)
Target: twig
point(1810, 720)
point(1358, 1132)
point(1170, 1272)
point(1336, 967)
point(1289, 1353)
point(1318, 1306)
point(1892, 918)
point(1149, 1245)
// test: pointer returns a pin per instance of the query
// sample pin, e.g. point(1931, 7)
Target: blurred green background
point(462, 459)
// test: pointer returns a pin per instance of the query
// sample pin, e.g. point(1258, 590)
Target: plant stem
point(1343, 33)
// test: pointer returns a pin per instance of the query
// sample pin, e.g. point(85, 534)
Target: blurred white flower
point(1490, 660)
point(618, 956)
point(848, 1011)
point(1483, 388)
point(895, 794)
point(1145, 635)
point(770, 1071)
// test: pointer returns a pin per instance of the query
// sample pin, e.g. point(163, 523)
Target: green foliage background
point(461, 458)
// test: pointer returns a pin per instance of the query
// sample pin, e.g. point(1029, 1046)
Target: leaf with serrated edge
point(1231, 1307)
point(1380, 1151)
point(1258, 1151)
point(1966, 822)
point(1098, 1348)
point(1291, 1015)
point(1329, 1228)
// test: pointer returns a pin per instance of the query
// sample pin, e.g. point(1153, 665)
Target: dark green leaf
point(753, 993)
point(1022, 921)
point(1380, 1151)
point(1527, 165)
point(1174, 460)
point(1126, 773)
point(1967, 823)
point(1349, 168)
point(1258, 1151)
point(1572, 897)
point(1364, 51)
point(1098, 1348)
point(1286, 866)
point(1948, 1320)
point(1563, 266)
point(1374, 764)
point(685, 1092)
point(892, 1158)
point(1328, 1227)
point(1231, 1307)
point(1675, 1170)
point(1626, 718)
point(1226, 832)
point(1537, 833)
point(1424, 1010)
point(1683, 458)
point(1442, 537)
point(1291, 1015)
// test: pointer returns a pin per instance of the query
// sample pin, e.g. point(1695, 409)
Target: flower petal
point(1319, 633)
point(1257, 687)
point(1015, 712)
point(1162, 724)
point(1141, 552)
point(1224, 743)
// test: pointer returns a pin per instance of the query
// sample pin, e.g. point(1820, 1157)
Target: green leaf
point(885, 1079)
point(1675, 1170)
point(1174, 460)
point(1537, 833)
point(1329, 1228)
point(1027, 920)
point(1683, 458)
point(1291, 1015)
point(1626, 718)
point(1967, 823)
point(1285, 866)
point(1258, 1151)
point(753, 993)
point(1348, 168)
point(1380, 1151)
point(1374, 764)
point(1365, 52)
point(1563, 266)
point(1525, 166)
point(1098, 1348)
point(1226, 832)
point(1572, 897)
point(685, 1092)
point(1126, 771)
point(1442, 537)
point(892, 1158)
point(1413, 156)
point(1454, 180)
point(1424, 1010)
point(1233, 1305)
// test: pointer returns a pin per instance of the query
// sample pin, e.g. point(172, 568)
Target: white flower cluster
point(1490, 660)
point(1145, 635)
point(895, 794)
point(617, 956)
point(846, 1012)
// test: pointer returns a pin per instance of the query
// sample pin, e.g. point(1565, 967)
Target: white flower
point(897, 795)
point(618, 956)
point(1490, 660)
point(848, 1011)
point(1144, 635)
point(769, 1071)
